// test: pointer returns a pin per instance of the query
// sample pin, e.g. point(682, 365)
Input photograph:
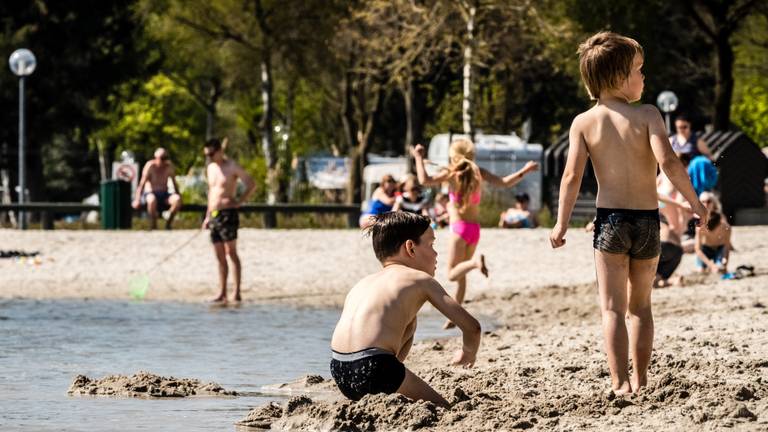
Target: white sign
point(126, 171)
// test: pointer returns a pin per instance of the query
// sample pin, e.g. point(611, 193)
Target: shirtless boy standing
point(157, 172)
point(624, 142)
point(376, 328)
point(221, 216)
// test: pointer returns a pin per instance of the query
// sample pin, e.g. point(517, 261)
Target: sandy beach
point(542, 367)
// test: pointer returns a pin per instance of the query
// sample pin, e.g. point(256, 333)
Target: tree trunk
point(467, 109)
point(267, 139)
point(724, 86)
point(408, 97)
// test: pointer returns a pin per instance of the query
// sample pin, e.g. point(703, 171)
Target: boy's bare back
point(617, 137)
point(380, 307)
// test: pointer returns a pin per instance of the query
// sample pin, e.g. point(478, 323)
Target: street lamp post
point(667, 102)
point(22, 63)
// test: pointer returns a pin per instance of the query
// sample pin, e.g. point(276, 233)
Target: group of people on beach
point(626, 144)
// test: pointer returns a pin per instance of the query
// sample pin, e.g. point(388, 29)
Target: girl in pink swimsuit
point(465, 184)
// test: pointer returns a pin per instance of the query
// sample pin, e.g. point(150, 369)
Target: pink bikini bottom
point(468, 231)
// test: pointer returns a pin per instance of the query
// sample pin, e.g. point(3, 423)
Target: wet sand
point(542, 368)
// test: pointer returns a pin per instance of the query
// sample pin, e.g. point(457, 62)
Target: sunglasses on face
point(683, 127)
point(209, 153)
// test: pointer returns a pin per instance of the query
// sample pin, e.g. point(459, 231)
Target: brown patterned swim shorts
point(631, 232)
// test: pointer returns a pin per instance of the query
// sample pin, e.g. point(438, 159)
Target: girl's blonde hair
point(461, 148)
point(464, 170)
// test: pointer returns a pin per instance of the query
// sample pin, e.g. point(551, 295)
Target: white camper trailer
point(499, 154)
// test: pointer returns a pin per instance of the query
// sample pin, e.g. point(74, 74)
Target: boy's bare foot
point(448, 325)
point(638, 383)
point(623, 389)
point(238, 298)
point(481, 265)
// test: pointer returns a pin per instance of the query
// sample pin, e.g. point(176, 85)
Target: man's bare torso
point(379, 309)
point(158, 174)
point(617, 138)
point(222, 184)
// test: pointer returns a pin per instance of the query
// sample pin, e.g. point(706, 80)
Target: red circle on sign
point(125, 172)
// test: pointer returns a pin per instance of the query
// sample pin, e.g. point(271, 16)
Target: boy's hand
point(463, 358)
point(531, 166)
point(205, 223)
point(702, 212)
point(557, 237)
point(418, 151)
point(136, 204)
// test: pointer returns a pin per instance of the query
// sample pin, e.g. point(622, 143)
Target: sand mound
point(145, 384)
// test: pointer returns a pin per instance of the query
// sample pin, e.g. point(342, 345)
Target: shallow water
point(44, 344)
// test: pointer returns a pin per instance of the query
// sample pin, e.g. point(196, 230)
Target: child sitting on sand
point(625, 142)
point(376, 328)
point(713, 245)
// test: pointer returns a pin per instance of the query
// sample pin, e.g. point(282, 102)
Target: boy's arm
point(571, 182)
point(670, 163)
point(510, 180)
point(421, 173)
point(470, 327)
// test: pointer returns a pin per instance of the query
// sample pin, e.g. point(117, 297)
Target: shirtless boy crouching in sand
point(376, 328)
point(625, 143)
point(221, 216)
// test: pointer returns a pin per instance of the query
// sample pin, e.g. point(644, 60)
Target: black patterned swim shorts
point(368, 371)
point(631, 232)
point(224, 225)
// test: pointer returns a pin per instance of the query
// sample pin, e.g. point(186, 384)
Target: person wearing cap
point(518, 216)
point(156, 173)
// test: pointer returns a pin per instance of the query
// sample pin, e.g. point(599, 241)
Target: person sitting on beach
point(382, 200)
point(221, 216)
point(671, 254)
point(465, 189)
point(713, 245)
point(439, 211)
point(625, 143)
point(410, 198)
point(376, 328)
point(518, 216)
point(686, 142)
point(156, 173)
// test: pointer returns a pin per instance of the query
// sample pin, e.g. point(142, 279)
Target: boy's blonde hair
point(605, 60)
point(464, 170)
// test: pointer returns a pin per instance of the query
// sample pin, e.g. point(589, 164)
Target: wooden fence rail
point(269, 211)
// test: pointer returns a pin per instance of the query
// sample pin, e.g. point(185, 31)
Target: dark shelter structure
point(742, 168)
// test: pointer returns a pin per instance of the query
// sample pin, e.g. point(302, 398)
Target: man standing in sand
point(221, 216)
point(626, 143)
point(156, 172)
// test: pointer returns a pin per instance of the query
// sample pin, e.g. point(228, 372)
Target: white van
point(499, 154)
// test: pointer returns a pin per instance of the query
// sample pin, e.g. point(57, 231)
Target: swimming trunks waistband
point(605, 212)
point(357, 355)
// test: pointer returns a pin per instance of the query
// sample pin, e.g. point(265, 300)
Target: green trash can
point(115, 199)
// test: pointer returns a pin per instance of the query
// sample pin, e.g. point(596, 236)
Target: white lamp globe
point(22, 62)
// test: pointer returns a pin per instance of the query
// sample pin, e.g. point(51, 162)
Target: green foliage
point(160, 114)
point(750, 110)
